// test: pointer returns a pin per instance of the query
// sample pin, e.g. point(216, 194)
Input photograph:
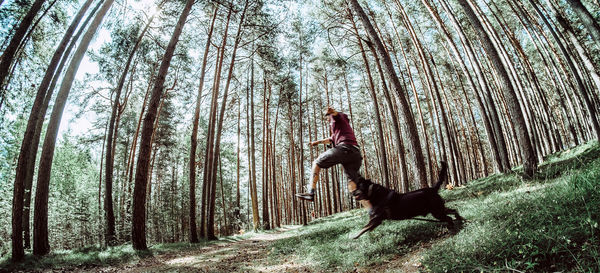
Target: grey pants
point(347, 155)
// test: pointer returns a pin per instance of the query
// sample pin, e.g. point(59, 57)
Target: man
point(345, 151)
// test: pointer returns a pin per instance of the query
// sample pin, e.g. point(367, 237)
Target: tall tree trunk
point(265, 172)
point(501, 143)
point(41, 245)
point(28, 151)
point(237, 169)
point(217, 142)
point(527, 151)
point(194, 137)
point(410, 127)
point(580, 85)
point(487, 124)
point(252, 178)
point(110, 151)
point(586, 18)
point(581, 51)
point(210, 154)
point(7, 57)
point(138, 231)
point(384, 159)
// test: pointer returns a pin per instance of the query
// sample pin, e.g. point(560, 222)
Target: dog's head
point(363, 189)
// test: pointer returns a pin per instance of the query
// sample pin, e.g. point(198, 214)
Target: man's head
point(329, 111)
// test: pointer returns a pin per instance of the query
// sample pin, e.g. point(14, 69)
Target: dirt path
point(248, 255)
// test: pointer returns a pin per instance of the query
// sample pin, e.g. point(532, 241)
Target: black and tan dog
point(391, 205)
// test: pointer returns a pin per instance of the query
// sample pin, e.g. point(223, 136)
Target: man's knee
point(315, 165)
point(315, 168)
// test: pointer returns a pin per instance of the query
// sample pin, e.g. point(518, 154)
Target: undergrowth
point(546, 224)
point(92, 256)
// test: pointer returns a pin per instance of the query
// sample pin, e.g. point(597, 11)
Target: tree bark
point(41, 245)
point(586, 18)
point(194, 137)
point(527, 151)
point(29, 144)
point(138, 231)
point(410, 127)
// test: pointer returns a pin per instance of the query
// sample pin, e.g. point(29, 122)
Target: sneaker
point(308, 196)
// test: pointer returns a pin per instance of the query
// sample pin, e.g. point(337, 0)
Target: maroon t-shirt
point(341, 132)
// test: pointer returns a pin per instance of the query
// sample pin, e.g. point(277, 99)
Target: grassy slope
point(546, 224)
point(93, 257)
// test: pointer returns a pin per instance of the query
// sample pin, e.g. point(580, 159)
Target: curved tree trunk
point(486, 92)
point(384, 158)
point(580, 85)
point(413, 143)
point(487, 124)
point(138, 231)
point(7, 57)
point(29, 144)
point(41, 245)
point(527, 151)
point(586, 17)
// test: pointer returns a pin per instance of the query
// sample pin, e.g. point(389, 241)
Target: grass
point(547, 224)
point(93, 256)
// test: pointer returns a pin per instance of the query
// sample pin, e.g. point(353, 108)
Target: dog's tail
point(442, 175)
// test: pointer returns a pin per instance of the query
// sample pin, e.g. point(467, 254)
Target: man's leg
point(315, 175)
point(324, 161)
point(310, 195)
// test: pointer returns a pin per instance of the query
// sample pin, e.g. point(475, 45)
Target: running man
point(345, 151)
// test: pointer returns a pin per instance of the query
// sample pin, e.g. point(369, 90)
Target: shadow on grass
point(549, 228)
point(577, 158)
point(328, 244)
point(93, 256)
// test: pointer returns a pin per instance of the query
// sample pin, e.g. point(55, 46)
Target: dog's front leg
point(372, 224)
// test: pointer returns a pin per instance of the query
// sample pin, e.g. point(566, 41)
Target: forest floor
point(547, 224)
point(250, 254)
point(226, 255)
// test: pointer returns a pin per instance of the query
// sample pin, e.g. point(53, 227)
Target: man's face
point(329, 111)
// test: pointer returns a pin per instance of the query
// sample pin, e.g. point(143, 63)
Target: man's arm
point(322, 141)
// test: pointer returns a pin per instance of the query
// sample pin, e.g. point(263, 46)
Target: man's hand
point(322, 141)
